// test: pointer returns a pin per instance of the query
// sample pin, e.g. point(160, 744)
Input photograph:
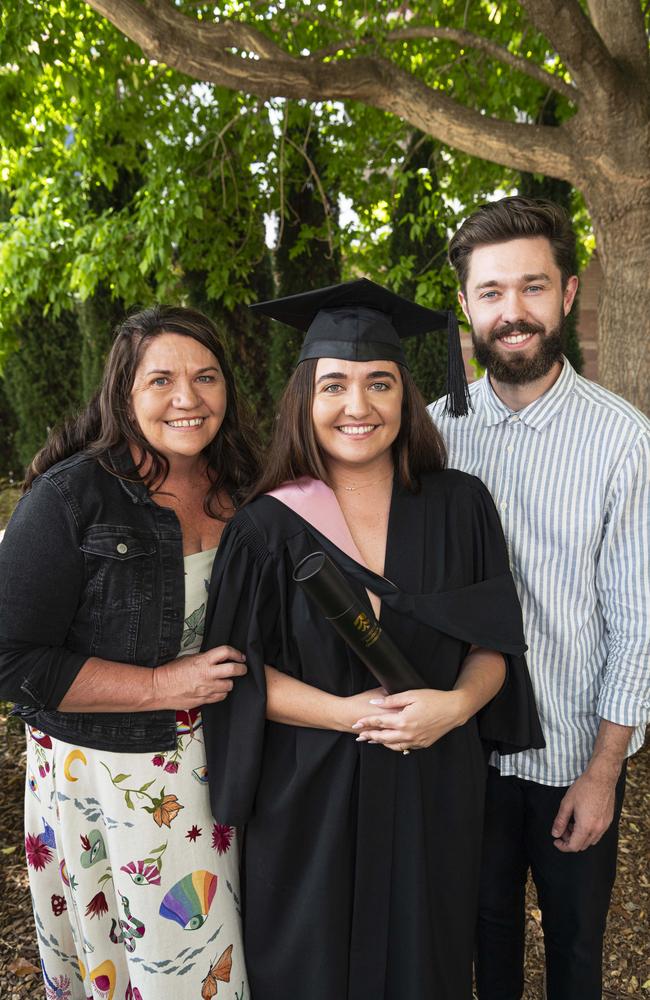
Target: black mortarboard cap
point(362, 321)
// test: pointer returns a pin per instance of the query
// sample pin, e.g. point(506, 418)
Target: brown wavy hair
point(106, 422)
point(295, 452)
point(514, 218)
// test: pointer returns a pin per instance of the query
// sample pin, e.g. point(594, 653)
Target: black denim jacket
point(89, 566)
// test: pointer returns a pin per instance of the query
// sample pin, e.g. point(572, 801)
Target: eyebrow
point(341, 375)
point(167, 371)
point(493, 283)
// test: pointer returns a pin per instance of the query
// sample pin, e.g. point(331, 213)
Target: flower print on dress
point(38, 853)
point(222, 837)
point(193, 833)
point(164, 808)
point(97, 906)
point(56, 988)
point(194, 628)
point(43, 743)
point(132, 993)
point(58, 904)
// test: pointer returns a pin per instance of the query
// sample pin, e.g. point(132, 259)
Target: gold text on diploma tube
point(369, 632)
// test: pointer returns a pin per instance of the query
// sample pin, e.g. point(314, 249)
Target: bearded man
point(568, 465)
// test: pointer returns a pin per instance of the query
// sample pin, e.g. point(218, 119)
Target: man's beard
point(519, 368)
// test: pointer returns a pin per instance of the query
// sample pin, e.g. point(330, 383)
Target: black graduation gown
point(360, 865)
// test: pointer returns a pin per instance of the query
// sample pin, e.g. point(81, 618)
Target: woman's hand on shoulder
point(412, 720)
point(197, 679)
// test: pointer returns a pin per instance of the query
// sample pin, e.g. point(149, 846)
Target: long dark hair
point(295, 452)
point(106, 422)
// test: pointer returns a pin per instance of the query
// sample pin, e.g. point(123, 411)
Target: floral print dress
point(135, 886)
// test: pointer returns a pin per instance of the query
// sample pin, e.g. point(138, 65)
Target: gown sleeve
point(244, 612)
point(509, 723)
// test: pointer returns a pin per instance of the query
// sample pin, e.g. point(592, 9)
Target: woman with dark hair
point(360, 865)
point(103, 575)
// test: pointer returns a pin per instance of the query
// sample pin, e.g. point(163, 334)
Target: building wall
point(591, 281)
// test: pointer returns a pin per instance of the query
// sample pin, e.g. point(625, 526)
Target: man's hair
point(513, 219)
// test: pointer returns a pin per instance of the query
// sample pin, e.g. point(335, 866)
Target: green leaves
point(115, 171)
point(121, 178)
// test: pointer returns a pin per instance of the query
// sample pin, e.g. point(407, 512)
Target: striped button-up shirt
point(570, 476)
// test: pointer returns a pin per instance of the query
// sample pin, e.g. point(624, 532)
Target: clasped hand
point(412, 719)
point(199, 678)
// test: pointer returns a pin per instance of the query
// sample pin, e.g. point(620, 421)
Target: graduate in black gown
point(362, 812)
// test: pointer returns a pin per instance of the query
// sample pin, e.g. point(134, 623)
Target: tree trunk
point(623, 241)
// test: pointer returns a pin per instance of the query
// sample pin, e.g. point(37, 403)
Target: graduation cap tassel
point(458, 398)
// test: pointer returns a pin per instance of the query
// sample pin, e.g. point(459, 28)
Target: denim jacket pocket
point(120, 566)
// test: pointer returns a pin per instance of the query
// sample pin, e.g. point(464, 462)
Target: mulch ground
point(627, 945)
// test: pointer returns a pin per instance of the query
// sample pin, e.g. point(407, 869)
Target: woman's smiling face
point(357, 410)
point(178, 396)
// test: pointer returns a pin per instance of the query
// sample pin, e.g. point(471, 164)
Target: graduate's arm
point(480, 679)
point(295, 703)
point(417, 719)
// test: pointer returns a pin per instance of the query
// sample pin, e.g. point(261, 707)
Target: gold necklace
point(364, 486)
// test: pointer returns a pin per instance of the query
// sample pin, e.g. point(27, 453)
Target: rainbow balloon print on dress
point(189, 901)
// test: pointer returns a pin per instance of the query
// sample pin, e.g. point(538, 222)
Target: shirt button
point(511, 448)
point(504, 505)
point(122, 548)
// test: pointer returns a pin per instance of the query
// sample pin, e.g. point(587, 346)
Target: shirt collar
point(538, 413)
point(122, 462)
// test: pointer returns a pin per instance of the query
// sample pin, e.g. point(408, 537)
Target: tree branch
point(578, 44)
point(620, 24)
point(469, 40)
point(327, 211)
point(189, 46)
point(155, 20)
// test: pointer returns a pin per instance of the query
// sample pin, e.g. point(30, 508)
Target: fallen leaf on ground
point(22, 967)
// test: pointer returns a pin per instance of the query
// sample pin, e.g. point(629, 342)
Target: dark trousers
point(573, 891)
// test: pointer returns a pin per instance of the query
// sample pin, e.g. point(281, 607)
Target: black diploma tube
point(324, 583)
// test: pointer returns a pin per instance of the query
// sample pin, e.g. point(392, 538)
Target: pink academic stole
point(316, 503)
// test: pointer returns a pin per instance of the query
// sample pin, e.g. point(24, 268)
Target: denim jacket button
point(122, 548)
